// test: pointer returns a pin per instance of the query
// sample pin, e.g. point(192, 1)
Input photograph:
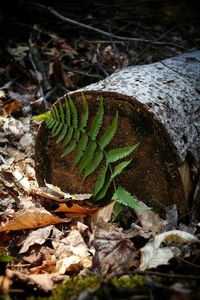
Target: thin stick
point(189, 277)
point(110, 35)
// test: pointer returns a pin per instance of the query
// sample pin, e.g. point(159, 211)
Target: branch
point(110, 35)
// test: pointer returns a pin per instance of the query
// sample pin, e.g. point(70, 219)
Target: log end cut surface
point(153, 174)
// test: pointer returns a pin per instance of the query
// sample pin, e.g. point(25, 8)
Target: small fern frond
point(120, 167)
point(97, 121)
point(88, 155)
point(58, 129)
point(63, 134)
point(94, 163)
point(68, 137)
point(82, 144)
point(68, 112)
point(104, 190)
point(109, 133)
point(100, 179)
point(74, 113)
point(62, 114)
point(69, 148)
point(124, 197)
point(55, 113)
point(85, 116)
point(43, 117)
point(119, 153)
point(53, 129)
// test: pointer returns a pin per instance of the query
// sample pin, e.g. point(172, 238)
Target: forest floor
point(44, 54)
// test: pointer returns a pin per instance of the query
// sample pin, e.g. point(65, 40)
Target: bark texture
point(159, 106)
point(170, 90)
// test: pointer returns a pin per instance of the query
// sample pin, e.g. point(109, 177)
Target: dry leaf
point(152, 255)
point(76, 209)
point(149, 220)
point(114, 252)
point(39, 282)
point(36, 237)
point(72, 254)
point(5, 283)
point(31, 218)
point(104, 214)
point(55, 193)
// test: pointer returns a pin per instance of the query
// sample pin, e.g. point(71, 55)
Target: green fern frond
point(104, 189)
point(124, 197)
point(55, 113)
point(68, 137)
point(43, 117)
point(109, 133)
point(58, 130)
point(84, 119)
point(88, 155)
point(94, 163)
point(71, 131)
point(63, 134)
point(82, 144)
point(55, 126)
point(69, 148)
point(62, 114)
point(119, 153)
point(68, 112)
point(97, 121)
point(120, 167)
point(74, 113)
point(100, 179)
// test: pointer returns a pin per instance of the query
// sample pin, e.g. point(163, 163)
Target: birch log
point(159, 107)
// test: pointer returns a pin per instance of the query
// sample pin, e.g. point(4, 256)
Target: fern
point(71, 130)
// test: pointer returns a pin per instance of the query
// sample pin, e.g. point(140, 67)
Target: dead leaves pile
point(53, 235)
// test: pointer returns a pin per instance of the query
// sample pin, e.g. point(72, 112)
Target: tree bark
point(159, 107)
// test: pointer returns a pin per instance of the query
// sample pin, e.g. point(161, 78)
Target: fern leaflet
point(97, 121)
point(109, 133)
point(119, 153)
point(124, 197)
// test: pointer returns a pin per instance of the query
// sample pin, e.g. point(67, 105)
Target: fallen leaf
point(31, 218)
point(114, 252)
point(72, 253)
point(149, 220)
point(36, 237)
point(75, 208)
point(5, 283)
point(38, 282)
point(152, 255)
point(55, 193)
point(104, 214)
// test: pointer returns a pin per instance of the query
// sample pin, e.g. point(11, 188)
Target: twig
point(189, 277)
point(110, 35)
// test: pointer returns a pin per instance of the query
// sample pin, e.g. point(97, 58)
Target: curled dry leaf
point(34, 217)
point(55, 193)
point(36, 237)
point(75, 209)
point(152, 255)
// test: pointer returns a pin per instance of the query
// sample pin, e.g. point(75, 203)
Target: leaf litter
point(72, 237)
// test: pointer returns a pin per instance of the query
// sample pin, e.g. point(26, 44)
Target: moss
point(71, 288)
point(128, 282)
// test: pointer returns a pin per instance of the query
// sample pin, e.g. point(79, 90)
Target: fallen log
point(159, 107)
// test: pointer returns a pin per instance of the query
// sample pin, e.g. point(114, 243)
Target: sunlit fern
point(71, 130)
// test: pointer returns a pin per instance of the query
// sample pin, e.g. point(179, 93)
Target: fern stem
point(111, 171)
